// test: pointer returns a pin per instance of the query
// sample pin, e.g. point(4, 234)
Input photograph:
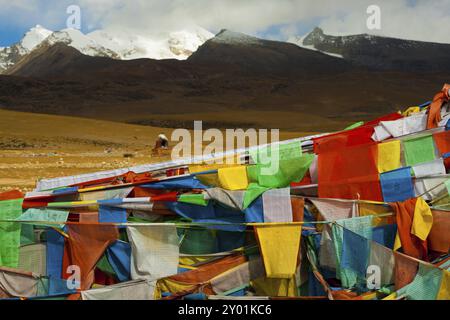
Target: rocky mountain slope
point(380, 53)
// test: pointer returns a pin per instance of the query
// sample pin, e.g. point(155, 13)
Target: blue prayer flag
point(55, 252)
point(255, 211)
point(107, 214)
point(227, 218)
point(355, 252)
point(397, 185)
point(190, 182)
point(119, 257)
point(385, 235)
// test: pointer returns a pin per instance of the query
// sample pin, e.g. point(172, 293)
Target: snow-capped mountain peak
point(171, 45)
point(308, 42)
point(105, 43)
point(10, 55)
point(81, 42)
point(378, 52)
point(232, 37)
point(184, 43)
point(34, 37)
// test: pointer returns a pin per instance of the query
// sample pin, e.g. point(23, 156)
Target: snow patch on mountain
point(81, 42)
point(299, 41)
point(231, 37)
point(10, 55)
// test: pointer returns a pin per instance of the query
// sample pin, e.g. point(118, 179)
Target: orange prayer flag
point(84, 248)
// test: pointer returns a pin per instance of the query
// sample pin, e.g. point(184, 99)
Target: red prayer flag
point(350, 173)
point(442, 140)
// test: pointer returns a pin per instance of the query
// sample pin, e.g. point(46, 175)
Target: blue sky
point(273, 19)
point(10, 34)
point(16, 20)
point(278, 32)
point(52, 15)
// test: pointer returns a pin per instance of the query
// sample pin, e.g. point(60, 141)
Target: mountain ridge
point(379, 52)
point(260, 56)
point(172, 45)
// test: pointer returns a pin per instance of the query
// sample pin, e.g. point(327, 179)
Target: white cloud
point(420, 19)
point(425, 20)
point(26, 13)
point(248, 16)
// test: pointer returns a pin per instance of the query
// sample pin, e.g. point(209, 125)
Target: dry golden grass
point(35, 146)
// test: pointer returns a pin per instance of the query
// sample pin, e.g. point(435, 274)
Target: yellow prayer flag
point(423, 219)
point(371, 209)
point(191, 260)
point(397, 242)
point(210, 179)
point(279, 246)
point(392, 296)
point(186, 267)
point(410, 111)
point(444, 290)
point(234, 178)
point(389, 156)
point(172, 286)
point(272, 287)
point(369, 296)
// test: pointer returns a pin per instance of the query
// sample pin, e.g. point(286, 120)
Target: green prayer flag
point(285, 151)
point(197, 199)
point(288, 171)
point(60, 204)
point(354, 126)
point(143, 220)
point(447, 185)
point(104, 266)
point(253, 191)
point(27, 234)
point(278, 165)
point(45, 215)
point(419, 150)
point(252, 173)
point(425, 285)
point(42, 287)
point(198, 241)
point(10, 233)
